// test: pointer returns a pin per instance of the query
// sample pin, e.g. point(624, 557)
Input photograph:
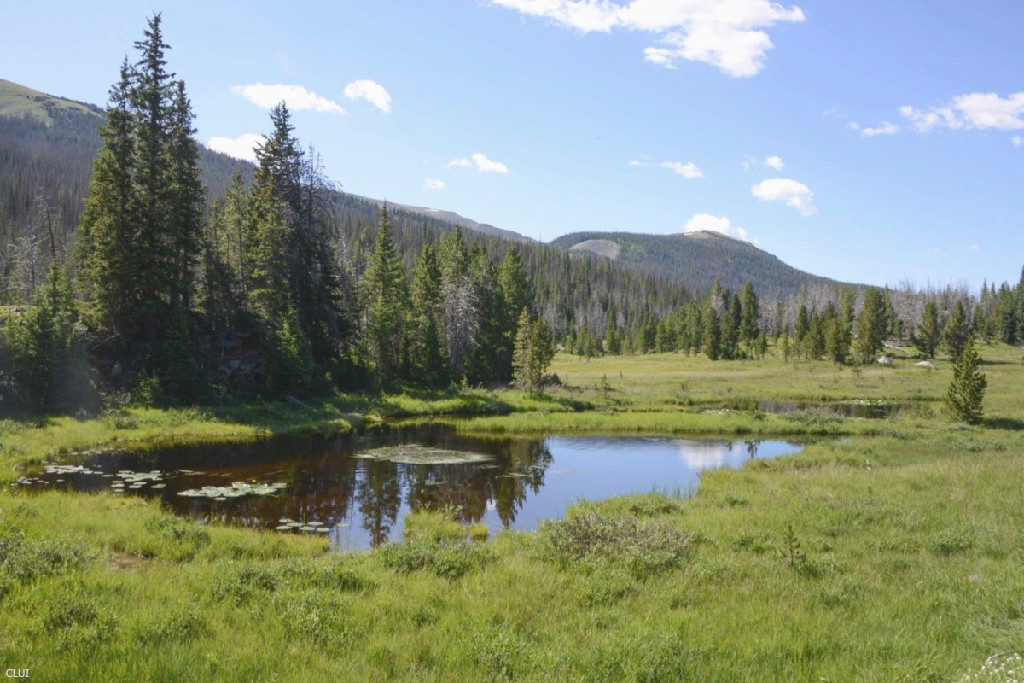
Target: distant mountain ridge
point(17, 100)
point(58, 138)
point(695, 260)
point(454, 219)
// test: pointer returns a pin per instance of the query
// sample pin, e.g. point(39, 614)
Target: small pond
point(863, 408)
point(357, 489)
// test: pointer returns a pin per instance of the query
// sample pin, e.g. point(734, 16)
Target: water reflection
point(363, 501)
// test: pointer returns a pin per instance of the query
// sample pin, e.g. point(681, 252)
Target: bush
point(446, 560)
point(967, 390)
point(23, 561)
point(181, 626)
point(645, 547)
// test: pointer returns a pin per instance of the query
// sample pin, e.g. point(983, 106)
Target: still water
point(357, 489)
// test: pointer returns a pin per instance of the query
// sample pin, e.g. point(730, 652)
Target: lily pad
point(237, 489)
point(415, 454)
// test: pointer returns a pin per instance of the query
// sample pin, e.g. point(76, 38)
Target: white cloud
point(707, 222)
point(480, 161)
point(793, 193)
point(726, 34)
point(372, 92)
point(434, 184)
point(774, 162)
point(885, 128)
point(243, 147)
point(972, 111)
point(1017, 140)
point(688, 170)
point(637, 163)
point(974, 247)
point(934, 251)
point(295, 96)
point(485, 165)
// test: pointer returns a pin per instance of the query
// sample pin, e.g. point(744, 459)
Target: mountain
point(452, 218)
point(18, 101)
point(48, 144)
point(695, 260)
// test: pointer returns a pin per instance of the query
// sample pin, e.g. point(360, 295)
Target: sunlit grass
point(891, 552)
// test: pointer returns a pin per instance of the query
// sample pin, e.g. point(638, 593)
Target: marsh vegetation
point(888, 552)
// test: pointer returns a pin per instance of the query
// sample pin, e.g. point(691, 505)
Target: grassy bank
point(893, 553)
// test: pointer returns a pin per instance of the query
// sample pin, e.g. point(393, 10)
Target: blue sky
point(874, 141)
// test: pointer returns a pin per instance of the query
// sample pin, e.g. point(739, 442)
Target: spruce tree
point(872, 325)
point(386, 302)
point(430, 366)
point(957, 331)
point(142, 223)
point(533, 353)
point(928, 332)
point(513, 296)
point(46, 350)
point(967, 390)
point(750, 315)
point(488, 355)
point(106, 239)
point(460, 307)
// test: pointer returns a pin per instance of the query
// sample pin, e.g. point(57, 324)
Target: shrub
point(24, 561)
point(446, 560)
point(967, 390)
point(645, 547)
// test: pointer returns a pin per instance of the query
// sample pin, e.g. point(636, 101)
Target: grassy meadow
point(891, 550)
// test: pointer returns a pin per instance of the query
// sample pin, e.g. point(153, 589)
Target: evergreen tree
point(460, 308)
point(872, 325)
point(47, 354)
point(712, 340)
point(967, 390)
point(815, 339)
point(750, 315)
point(142, 225)
point(106, 239)
point(956, 332)
point(514, 295)
point(731, 328)
point(534, 352)
point(803, 323)
point(291, 247)
point(186, 202)
point(386, 297)
point(929, 332)
point(430, 366)
point(488, 358)
point(612, 337)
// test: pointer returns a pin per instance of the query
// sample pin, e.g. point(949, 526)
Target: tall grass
point(892, 553)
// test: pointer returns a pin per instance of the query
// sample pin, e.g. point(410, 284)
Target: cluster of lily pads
point(287, 524)
point(58, 470)
point(129, 480)
point(237, 489)
point(415, 454)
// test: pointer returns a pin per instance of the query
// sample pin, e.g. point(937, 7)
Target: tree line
point(252, 294)
point(282, 285)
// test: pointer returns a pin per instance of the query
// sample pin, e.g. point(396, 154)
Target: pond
point(864, 408)
point(357, 489)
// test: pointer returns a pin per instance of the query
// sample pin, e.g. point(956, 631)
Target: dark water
point(514, 483)
point(866, 409)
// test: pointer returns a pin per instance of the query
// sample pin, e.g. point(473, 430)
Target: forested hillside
point(135, 261)
point(696, 259)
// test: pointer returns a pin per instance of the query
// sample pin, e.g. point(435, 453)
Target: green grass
point(17, 100)
point(892, 553)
